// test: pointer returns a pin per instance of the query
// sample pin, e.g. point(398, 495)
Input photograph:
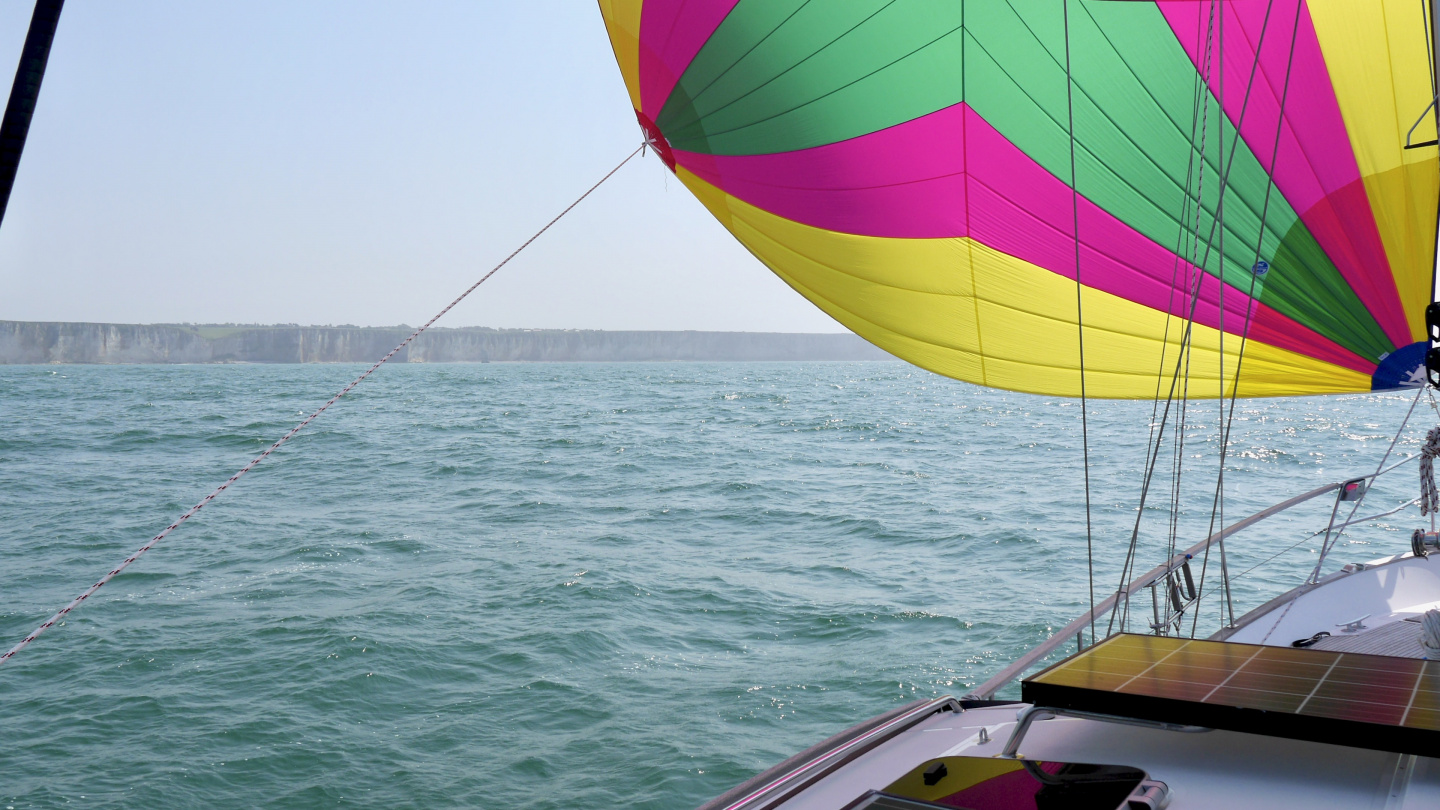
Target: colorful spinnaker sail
point(920, 169)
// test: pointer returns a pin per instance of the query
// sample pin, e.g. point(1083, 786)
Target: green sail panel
point(791, 75)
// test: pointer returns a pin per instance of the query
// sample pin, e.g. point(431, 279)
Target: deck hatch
point(1351, 699)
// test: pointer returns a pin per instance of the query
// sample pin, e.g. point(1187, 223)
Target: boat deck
point(1206, 770)
point(1343, 757)
point(1377, 594)
point(1400, 639)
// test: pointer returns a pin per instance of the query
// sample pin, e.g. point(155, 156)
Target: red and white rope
point(112, 573)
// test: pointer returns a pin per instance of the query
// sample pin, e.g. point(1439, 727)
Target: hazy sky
point(354, 162)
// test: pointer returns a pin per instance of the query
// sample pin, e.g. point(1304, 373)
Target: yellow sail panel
point(1379, 65)
point(622, 21)
point(931, 301)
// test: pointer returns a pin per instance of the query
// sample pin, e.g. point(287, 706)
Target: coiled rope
point(1429, 495)
point(1430, 634)
point(189, 513)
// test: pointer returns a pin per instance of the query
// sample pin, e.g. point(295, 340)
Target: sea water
point(580, 585)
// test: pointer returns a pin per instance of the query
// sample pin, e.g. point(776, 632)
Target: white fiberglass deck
point(1219, 770)
point(1216, 770)
point(1378, 593)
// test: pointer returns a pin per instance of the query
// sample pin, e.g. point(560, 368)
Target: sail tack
point(970, 183)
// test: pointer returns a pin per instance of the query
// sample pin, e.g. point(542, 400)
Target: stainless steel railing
point(1073, 630)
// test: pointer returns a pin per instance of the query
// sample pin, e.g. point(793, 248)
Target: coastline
point(41, 342)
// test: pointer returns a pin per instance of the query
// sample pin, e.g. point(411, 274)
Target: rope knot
point(1429, 495)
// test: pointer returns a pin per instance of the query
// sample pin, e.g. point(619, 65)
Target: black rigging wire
point(1220, 474)
point(1220, 218)
point(1199, 115)
point(1249, 310)
point(1079, 317)
point(20, 108)
point(1226, 166)
point(1199, 262)
point(1180, 239)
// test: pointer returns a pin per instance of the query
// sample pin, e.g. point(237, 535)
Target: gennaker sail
point(1161, 200)
point(965, 184)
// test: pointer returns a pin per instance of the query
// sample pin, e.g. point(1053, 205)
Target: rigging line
point(1379, 468)
point(1226, 166)
point(1179, 437)
point(1079, 319)
point(25, 642)
point(1138, 191)
point(1218, 504)
point(1177, 466)
point(1180, 434)
point(1220, 222)
point(1144, 491)
point(1199, 116)
point(1180, 233)
point(1220, 412)
point(1407, 460)
point(1402, 507)
point(1200, 111)
point(1249, 311)
point(1253, 278)
point(1286, 612)
point(1325, 548)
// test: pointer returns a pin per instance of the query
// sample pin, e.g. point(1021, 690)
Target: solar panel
point(1351, 699)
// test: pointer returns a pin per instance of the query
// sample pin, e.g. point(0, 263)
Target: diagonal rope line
point(1340, 527)
point(189, 513)
point(1080, 323)
point(1190, 242)
point(1245, 329)
point(1217, 506)
point(1330, 528)
point(1197, 91)
point(1225, 165)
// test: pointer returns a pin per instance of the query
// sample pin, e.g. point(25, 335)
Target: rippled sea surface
point(562, 586)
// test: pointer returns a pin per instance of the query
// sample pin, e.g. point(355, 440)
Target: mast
point(23, 94)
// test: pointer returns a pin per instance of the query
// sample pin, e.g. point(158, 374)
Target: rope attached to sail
point(189, 513)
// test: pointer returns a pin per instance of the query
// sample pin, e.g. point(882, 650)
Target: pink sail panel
point(671, 33)
point(911, 181)
point(1315, 165)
